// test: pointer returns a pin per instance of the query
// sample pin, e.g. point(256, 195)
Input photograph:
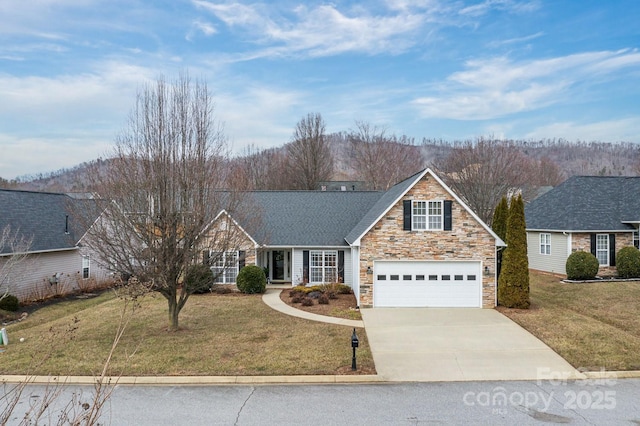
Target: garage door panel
point(428, 284)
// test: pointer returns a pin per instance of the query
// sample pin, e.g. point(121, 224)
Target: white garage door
point(429, 284)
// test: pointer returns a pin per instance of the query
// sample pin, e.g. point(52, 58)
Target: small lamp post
point(354, 345)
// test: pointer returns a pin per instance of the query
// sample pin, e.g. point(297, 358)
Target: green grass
point(591, 325)
point(220, 335)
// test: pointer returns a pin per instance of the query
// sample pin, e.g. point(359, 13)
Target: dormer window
point(426, 215)
point(419, 215)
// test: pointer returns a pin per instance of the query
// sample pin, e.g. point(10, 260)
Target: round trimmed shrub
point(9, 303)
point(251, 280)
point(628, 262)
point(582, 265)
point(198, 279)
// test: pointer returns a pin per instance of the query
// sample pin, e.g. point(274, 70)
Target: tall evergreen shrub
point(500, 214)
point(513, 283)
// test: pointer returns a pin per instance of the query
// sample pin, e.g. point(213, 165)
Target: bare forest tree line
point(370, 154)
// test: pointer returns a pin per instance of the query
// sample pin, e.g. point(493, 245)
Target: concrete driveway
point(456, 344)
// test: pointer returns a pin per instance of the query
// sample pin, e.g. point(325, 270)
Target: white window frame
point(224, 266)
point(323, 266)
point(86, 267)
point(545, 244)
point(427, 215)
point(602, 249)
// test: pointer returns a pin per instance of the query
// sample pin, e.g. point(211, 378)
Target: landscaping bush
point(297, 298)
point(251, 280)
point(307, 301)
point(9, 303)
point(296, 292)
point(582, 265)
point(323, 300)
point(198, 279)
point(628, 262)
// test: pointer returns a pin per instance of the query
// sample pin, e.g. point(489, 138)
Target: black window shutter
point(593, 244)
point(206, 260)
point(341, 266)
point(241, 256)
point(448, 223)
point(612, 249)
point(305, 266)
point(406, 205)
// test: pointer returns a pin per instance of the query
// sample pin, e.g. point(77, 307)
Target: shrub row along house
point(55, 260)
point(417, 244)
point(597, 214)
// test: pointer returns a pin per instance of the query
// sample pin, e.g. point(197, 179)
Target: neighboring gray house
point(598, 214)
point(417, 244)
point(56, 262)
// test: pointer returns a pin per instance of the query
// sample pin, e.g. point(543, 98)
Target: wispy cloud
point(516, 40)
point(513, 6)
point(326, 29)
point(201, 27)
point(497, 87)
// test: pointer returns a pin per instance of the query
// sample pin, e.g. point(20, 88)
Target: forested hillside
point(267, 169)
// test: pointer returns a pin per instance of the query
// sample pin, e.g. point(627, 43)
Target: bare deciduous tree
point(163, 191)
point(382, 160)
point(14, 252)
point(484, 171)
point(262, 169)
point(309, 154)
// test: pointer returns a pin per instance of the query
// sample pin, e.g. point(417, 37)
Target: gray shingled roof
point(587, 203)
point(41, 216)
point(309, 218)
point(384, 202)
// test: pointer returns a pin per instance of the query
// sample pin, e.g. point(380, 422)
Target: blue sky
point(70, 69)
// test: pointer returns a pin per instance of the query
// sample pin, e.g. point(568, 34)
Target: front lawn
point(221, 335)
point(591, 325)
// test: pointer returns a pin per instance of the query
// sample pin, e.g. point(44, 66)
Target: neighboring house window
point(86, 264)
point(545, 243)
point(636, 239)
point(427, 215)
point(324, 266)
point(602, 249)
point(225, 267)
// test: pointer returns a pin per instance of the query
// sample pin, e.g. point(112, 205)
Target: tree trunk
point(173, 314)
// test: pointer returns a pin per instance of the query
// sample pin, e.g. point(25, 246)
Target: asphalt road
point(510, 403)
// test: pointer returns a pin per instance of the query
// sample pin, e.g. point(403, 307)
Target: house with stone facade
point(598, 214)
point(416, 244)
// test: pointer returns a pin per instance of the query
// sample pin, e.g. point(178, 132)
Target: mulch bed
point(342, 307)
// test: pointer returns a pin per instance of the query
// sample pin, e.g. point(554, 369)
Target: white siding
point(355, 277)
point(554, 262)
point(296, 268)
point(32, 281)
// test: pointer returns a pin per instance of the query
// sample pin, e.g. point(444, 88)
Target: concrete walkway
point(272, 299)
point(457, 344)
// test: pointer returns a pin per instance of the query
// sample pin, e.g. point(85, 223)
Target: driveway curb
point(191, 380)
point(633, 374)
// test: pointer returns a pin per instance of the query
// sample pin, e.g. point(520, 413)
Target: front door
point(280, 269)
point(278, 265)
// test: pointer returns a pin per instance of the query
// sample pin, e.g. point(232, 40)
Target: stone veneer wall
point(582, 242)
point(468, 240)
